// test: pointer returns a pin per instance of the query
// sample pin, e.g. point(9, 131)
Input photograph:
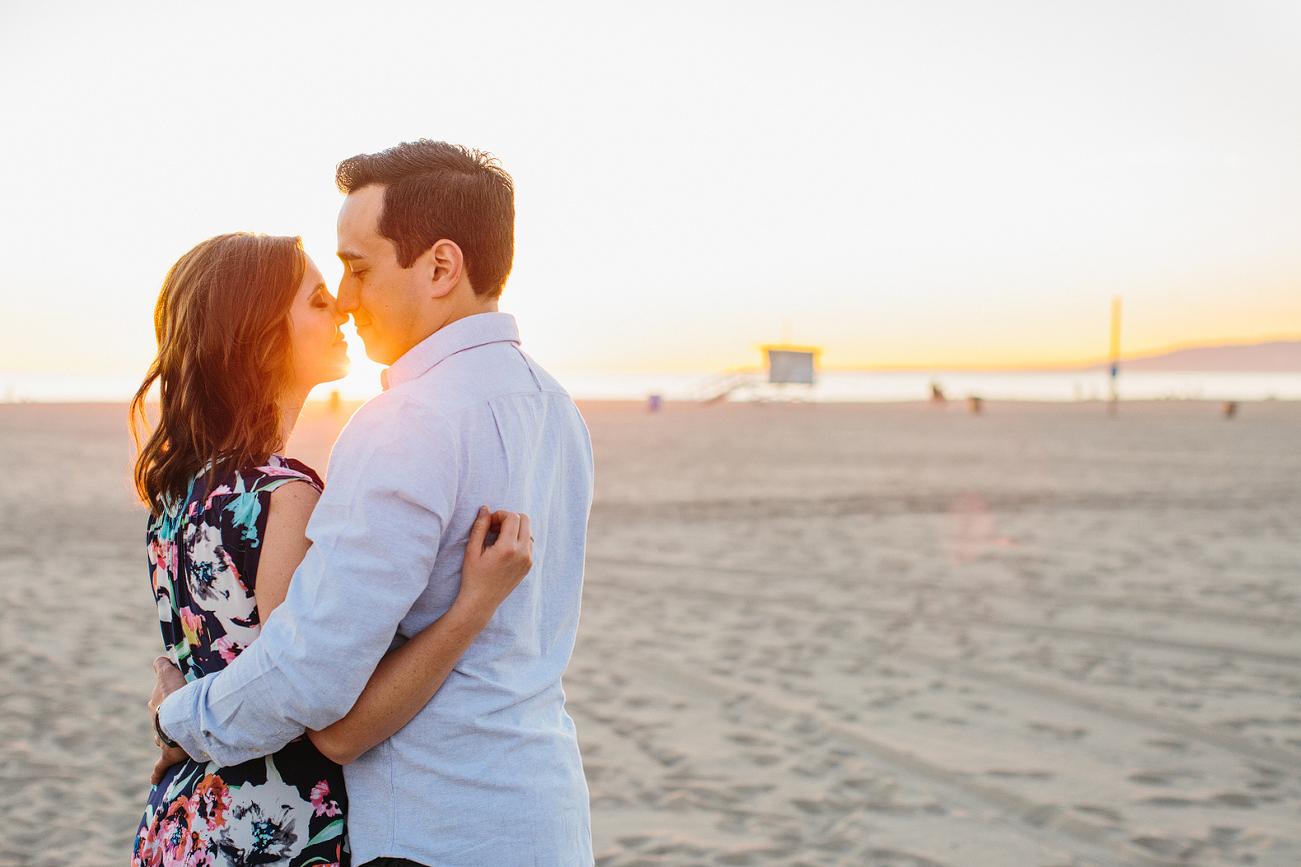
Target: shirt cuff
point(208, 734)
point(178, 715)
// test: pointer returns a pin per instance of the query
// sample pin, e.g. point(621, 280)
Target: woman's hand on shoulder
point(489, 573)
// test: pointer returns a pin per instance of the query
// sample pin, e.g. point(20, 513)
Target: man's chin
point(379, 354)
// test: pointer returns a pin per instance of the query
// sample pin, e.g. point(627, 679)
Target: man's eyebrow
point(347, 255)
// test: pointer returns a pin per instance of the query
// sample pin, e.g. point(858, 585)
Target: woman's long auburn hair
point(224, 362)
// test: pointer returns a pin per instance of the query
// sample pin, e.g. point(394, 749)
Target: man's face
point(385, 300)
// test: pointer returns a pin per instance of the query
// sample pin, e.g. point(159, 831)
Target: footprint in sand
point(1179, 848)
point(1160, 778)
point(1168, 801)
point(1105, 813)
point(895, 858)
point(1005, 774)
point(1061, 733)
point(1172, 746)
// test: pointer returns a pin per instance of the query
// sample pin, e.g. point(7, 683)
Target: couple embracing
point(425, 601)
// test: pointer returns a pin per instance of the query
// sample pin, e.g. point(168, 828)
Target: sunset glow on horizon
point(932, 185)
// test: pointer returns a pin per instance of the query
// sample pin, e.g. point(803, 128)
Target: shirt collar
point(463, 334)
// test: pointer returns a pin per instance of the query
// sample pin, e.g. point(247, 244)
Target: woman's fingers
point(520, 558)
point(170, 756)
point(513, 547)
point(509, 531)
point(490, 573)
point(479, 532)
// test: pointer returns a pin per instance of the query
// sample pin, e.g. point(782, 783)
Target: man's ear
point(443, 266)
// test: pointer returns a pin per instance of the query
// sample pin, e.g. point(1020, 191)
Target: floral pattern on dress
point(285, 809)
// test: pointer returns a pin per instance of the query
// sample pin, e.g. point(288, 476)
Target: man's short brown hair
point(434, 190)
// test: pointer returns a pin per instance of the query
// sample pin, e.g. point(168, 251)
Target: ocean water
point(831, 386)
point(896, 385)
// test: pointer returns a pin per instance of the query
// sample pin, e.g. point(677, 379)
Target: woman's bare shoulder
point(292, 503)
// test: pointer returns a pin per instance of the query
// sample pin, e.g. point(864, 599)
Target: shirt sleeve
point(375, 534)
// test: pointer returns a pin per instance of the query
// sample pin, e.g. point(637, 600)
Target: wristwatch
point(162, 735)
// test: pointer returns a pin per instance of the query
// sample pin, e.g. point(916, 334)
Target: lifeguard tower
point(787, 366)
point(792, 365)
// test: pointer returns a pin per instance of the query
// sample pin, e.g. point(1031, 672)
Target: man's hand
point(169, 679)
point(490, 572)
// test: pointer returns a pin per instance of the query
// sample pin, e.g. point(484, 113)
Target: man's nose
point(336, 313)
point(346, 300)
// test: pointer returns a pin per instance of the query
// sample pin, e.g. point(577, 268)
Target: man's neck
point(467, 310)
point(455, 313)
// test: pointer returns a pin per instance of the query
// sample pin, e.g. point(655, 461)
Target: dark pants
point(391, 862)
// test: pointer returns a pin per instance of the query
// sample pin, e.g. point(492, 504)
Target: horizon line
point(1063, 366)
point(1080, 365)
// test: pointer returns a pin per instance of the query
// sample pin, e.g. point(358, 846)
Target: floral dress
point(287, 808)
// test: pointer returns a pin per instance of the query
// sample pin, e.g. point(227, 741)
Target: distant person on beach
point(488, 772)
point(226, 531)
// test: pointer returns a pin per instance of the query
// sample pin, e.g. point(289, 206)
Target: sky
point(900, 184)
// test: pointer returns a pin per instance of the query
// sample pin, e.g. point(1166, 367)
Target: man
point(489, 772)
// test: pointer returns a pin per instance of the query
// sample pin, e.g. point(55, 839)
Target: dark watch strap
point(162, 735)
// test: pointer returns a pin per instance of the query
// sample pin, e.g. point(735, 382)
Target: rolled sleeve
point(375, 535)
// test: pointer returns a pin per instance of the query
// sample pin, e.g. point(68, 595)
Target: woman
point(246, 328)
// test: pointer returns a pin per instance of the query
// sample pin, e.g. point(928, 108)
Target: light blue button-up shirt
point(489, 772)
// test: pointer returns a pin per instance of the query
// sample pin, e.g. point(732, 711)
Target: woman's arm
point(406, 678)
point(284, 544)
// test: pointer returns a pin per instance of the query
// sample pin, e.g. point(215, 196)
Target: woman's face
point(320, 353)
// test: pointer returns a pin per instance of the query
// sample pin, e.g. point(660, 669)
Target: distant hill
point(1282, 355)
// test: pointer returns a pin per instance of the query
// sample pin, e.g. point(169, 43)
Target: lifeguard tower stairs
point(791, 375)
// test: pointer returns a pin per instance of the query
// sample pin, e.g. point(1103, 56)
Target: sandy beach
point(812, 634)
